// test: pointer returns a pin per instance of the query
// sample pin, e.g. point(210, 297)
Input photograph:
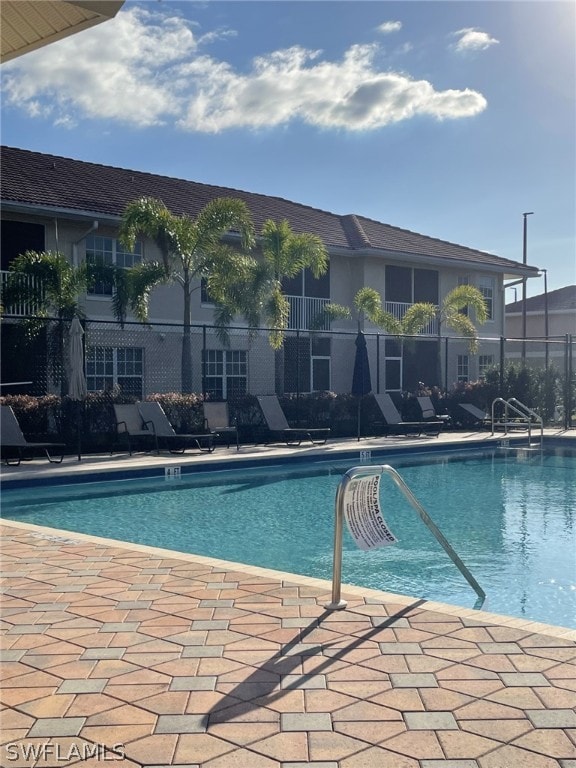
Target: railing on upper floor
point(19, 308)
point(399, 308)
point(305, 312)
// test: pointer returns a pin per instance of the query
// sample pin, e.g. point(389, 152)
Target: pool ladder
point(337, 603)
point(517, 414)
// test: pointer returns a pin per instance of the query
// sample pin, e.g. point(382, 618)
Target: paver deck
point(115, 653)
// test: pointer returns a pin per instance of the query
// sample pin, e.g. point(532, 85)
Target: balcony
point(399, 308)
point(20, 308)
point(304, 313)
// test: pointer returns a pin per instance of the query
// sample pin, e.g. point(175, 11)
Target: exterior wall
point(559, 324)
point(162, 345)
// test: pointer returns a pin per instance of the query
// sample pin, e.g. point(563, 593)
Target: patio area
point(126, 654)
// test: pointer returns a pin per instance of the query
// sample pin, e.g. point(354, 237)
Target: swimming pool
point(509, 516)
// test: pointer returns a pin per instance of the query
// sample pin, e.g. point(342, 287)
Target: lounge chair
point(217, 421)
point(429, 412)
point(155, 419)
point(13, 442)
point(394, 424)
point(278, 425)
point(474, 416)
point(130, 427)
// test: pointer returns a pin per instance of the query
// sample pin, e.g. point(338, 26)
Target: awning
point(30, 24)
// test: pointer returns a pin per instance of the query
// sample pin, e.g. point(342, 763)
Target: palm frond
point(221, 216)
point(417, 317)
point(277, 310)
point(368, 301)
point(461, 297)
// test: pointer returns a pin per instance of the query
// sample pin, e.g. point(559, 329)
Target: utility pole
point(524, 261)
point(546, 327)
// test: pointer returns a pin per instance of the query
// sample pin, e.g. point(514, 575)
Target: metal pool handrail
point(337, 603)
point(525, 413)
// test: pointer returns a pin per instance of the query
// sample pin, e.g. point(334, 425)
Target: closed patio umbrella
point(361, 382)
point(77, 380)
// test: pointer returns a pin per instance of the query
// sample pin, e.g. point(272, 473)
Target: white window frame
point(484, 362)
point(111, 368)
point(463, 368)
point(227, 365)
point(487, 288)
point(112, 255)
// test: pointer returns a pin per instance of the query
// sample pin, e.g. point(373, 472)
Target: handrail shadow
point(243, 697)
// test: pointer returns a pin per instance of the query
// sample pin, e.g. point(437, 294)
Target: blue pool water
point(510, 518)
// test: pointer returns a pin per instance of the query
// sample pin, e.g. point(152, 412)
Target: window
point(462, 374)
point(305, 284)
point(320, 364)
point(225, 373)
point(463, 281)
point(108, 367)
point(410, 286)
point(205, 298)
point(486, 288)
point(307, 364)
point(393, 365)
point(484, 362)
point(108, 250)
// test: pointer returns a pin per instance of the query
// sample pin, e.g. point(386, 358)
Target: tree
point(52, 287)
point(450, 313)
point(190, 248)
point(258, 295)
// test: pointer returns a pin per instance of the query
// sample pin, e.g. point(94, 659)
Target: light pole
point(524, 261)
point(546, 329)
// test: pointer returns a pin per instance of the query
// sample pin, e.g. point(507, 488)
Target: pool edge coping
point(564, 633)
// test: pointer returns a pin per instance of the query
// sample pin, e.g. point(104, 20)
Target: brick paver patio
point(114, 652)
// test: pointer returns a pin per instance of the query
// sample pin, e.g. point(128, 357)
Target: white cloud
point(389, 26)
point(146, 68)
point(472, 39)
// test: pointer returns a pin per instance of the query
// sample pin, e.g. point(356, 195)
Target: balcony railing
point(305, 313)
point(399, 308)
point(20, 308)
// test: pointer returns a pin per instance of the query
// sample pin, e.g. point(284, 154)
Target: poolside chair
point(155, 419)
point(13, 442)
point(394, 424)
point(130, 427)
point(278, 425)
point(429, 412)
point(474, 416)
point(217, 421)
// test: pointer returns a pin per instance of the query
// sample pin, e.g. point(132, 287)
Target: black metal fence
point(311, 372)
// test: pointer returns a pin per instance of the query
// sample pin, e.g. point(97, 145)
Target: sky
point(447, 118)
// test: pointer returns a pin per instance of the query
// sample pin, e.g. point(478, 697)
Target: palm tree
point(190, 249)
point(450, 313)
point(258, 295)
point(52, 287)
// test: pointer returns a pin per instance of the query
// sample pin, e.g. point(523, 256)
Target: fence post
point(203, 362)
point(502, 350)
point(568, 382)
point(377, 363)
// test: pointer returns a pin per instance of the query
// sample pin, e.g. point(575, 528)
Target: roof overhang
point(31, 24)
point(509, 270)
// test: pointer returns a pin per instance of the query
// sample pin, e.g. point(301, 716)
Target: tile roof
point(53, 182)
point(560, 299)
